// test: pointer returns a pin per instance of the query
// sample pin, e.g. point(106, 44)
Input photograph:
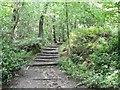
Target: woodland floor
point(43, 72)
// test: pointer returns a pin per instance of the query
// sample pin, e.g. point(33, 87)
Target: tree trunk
point(16, 18)
point(75, 25)
point(63, 35)
point(67, 28)
point(54, 33)
point(67, 20)
point(15, 21)
point(59, 36)
point(41, 21)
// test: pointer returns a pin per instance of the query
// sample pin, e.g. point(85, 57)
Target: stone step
point(44, 54)
point(44, 63)
point(46, 78)
point(49, 49)
point(46, 57)
point(54, 46)
point(45, 60)
point(50, 52)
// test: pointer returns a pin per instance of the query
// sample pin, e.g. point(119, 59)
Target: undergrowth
point(93, 58)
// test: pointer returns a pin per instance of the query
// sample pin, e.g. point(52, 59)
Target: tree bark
point(41, 22)
point(67, 20)
point(67, 28)
point(15, 18)
point(63, 35)
point(54, 33)
point(75, 24)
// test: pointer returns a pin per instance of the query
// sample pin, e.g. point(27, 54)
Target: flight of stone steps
point(43, 72)
point(48, 56)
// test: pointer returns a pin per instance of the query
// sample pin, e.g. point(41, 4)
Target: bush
point(76, 59)
point(86, 40)
point(12, 60)
point(95, 57)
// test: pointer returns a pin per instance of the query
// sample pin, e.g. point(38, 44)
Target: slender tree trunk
point(67, 28)
point(16, 18)
point(59, 36)
point(75, 25)
point(54, 33)
point(63, 35)
point(15, 21)
point(67, 20)
point(41, 22)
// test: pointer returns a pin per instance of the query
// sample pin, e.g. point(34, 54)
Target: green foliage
point(76, 59)
point(12, 60)
point(27, 42)
point(93, 38)
point(68, 66)
point(13, 53)
point(86, 40)
point(63, 48)
point(94, 57)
